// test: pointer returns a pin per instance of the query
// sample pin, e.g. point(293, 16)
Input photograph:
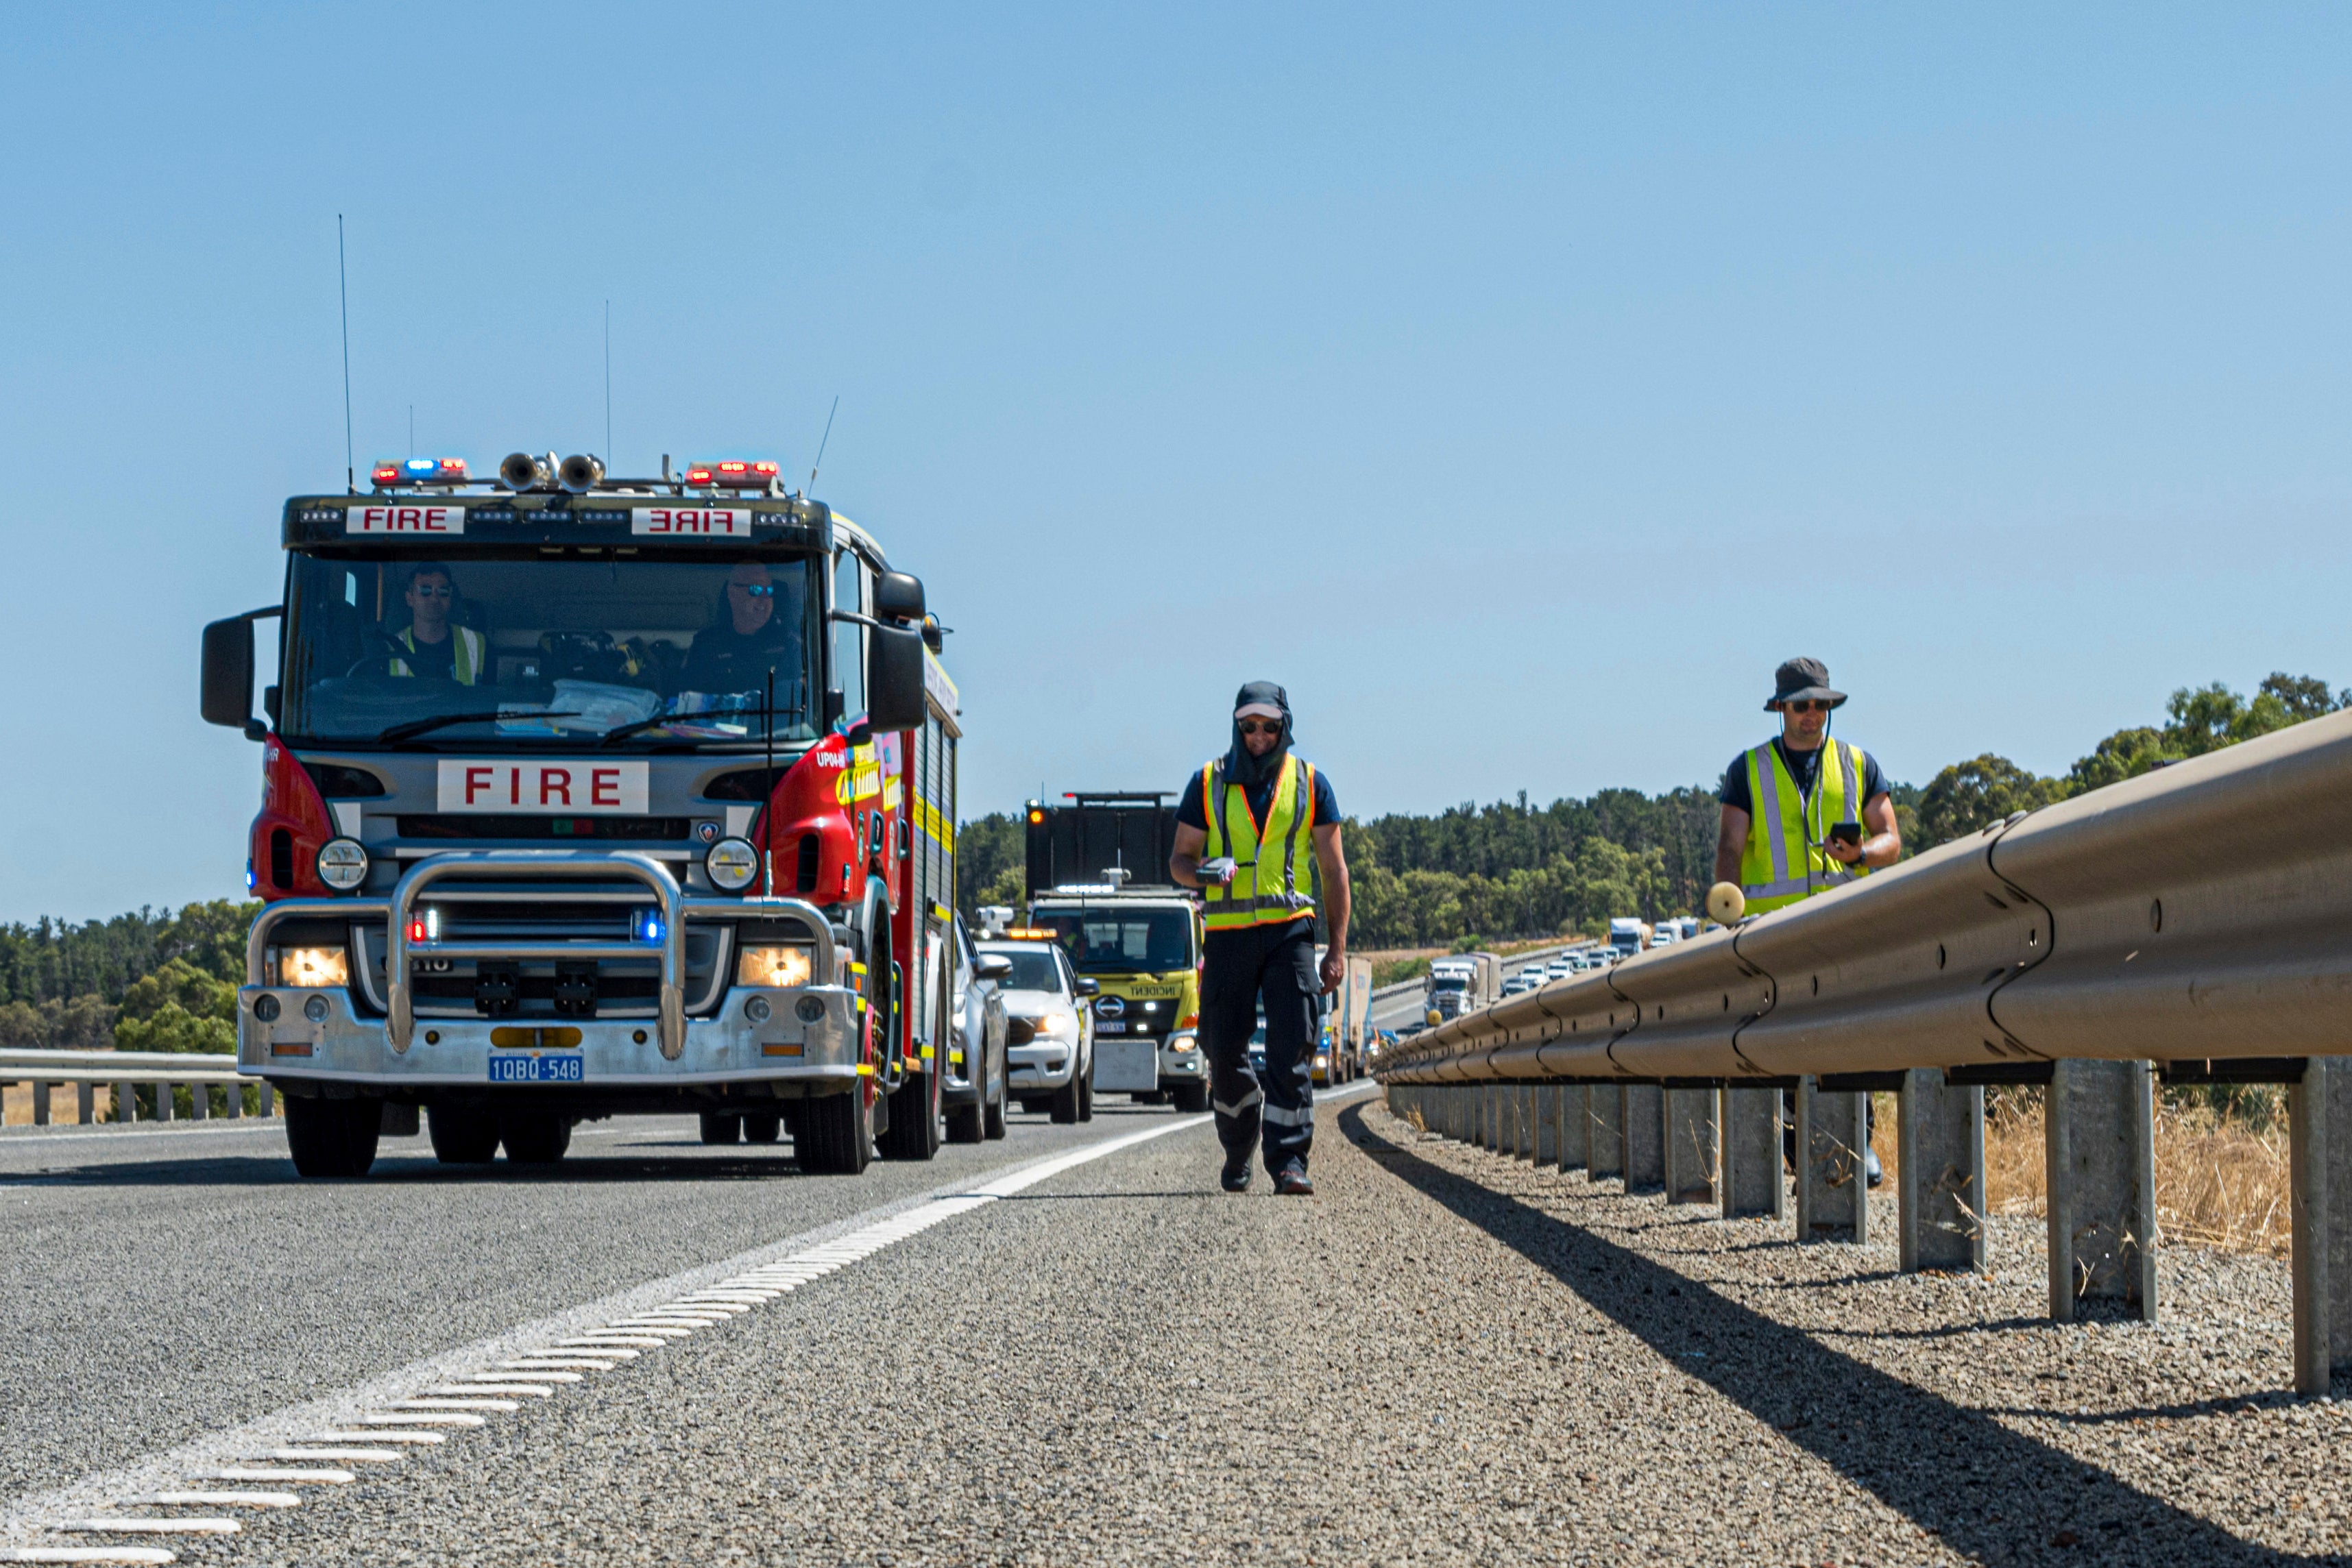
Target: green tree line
point(148, 982)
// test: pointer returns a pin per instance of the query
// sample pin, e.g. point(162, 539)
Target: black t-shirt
point(723, 660)
point(1802, 766)
point(434, 659)
point(1189, 814)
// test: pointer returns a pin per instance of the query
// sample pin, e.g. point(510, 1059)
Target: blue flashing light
point(648, 924)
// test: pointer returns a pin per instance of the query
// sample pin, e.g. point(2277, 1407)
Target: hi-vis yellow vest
point(465, 659)
point(1270, 883)
point(1782, 864)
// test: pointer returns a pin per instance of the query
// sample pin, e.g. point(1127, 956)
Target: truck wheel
point(992, 1119)
point(837, 1134)
point(1087, 1094)
point(718, 1129)
point(914, 1130)
point(763, 1127)
point(1064, 1106)
point(332, 1137)
point(1190, 1098)
point(462, 1134)
point(534, 1137)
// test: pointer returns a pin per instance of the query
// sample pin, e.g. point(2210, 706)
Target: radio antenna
point(343, 287)
point(768, 810)
point(608, 383)
point(822, 439)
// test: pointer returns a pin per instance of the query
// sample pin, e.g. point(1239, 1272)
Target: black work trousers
point(1273, 966)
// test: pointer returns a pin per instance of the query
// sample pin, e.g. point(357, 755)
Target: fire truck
point(584, 796)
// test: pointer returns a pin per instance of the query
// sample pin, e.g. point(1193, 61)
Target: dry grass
point(2221, 1176)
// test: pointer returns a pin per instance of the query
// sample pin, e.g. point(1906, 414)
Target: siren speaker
point(1725, 903)
point(522, 471)
point(579, 474)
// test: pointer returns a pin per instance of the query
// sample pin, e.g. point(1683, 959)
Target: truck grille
point(668, 829)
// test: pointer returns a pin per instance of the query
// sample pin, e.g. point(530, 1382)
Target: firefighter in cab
point(431, 644)
point(1258, 831)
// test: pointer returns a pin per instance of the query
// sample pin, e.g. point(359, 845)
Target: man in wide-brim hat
point(1803, 813)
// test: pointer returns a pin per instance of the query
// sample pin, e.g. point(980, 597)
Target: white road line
point(86, 1554)
point(147, 1527)
point(215, 1499)
point(305, 1478)
point(702, 1297)
point(418, 1438)
point(420, 1419)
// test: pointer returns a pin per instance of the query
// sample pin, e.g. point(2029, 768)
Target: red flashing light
point(385, 475)
point(416, 929)
point(698, 474)
point(733, 474)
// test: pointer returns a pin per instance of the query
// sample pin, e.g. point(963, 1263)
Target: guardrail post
point(86, 1104)
point(2319, 1155)
point(1604, 1125)
point(1690, 1140)
point(1524, 1095)
point(40, 1102)
point(1548, 1108)
point(1644, 1121)
point(2100, 1122)
point(126, 1104)
point(233, 1098)
point(1939, 1172)
point(1833, 1196)
point(1575, 1124)
point(199, 1101)
point(1752, 1179)
point(162, 1102)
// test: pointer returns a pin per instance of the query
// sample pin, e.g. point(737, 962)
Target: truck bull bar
point(677, 908)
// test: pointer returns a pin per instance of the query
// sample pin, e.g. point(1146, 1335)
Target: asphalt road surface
point(1072, 1348)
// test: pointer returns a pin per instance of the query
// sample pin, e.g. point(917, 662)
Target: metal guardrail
point(163, 1070)
point(2194, 923)
point(2201, 910)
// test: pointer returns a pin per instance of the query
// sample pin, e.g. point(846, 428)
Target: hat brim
point(1807, 694)
point(1257, 710)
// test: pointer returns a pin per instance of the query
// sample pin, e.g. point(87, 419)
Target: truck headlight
point(342, 863)
point(313, 966)
point(780, 965)
point(732, 865)
point(1183, 1043)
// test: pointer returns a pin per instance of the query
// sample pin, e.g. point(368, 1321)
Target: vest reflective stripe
point(1256, 896)
point(465, 659)
point(1780, 865)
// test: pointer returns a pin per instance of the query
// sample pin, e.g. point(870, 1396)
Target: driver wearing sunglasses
point(1803, 813)
point(761, 627)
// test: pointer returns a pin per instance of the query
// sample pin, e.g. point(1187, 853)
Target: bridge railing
point(2192, 924)
point(163, 1070)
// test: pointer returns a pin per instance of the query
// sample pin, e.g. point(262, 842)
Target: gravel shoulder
point(1444, 1357)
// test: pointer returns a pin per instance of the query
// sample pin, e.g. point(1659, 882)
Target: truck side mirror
point(894, 678)
point(226, 676)
point(897, 596)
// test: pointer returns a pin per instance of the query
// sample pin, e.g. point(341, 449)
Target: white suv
point(1049, 1029)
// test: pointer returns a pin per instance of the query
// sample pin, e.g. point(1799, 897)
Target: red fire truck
point(585, 797)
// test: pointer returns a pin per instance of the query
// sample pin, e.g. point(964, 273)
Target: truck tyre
point(1190, 1098)
point(462, 1134)
point(837, 1134)
point(1064, 1106)
point(992, 1119)
point(721, 1130)
point(762, 1126)
point(534, 1137)
point(914, 1130)
point(332, 1137)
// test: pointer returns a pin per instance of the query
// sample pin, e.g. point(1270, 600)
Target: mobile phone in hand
point(1845, 834)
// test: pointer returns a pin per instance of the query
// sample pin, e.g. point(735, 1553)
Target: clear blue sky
point(1516, 386)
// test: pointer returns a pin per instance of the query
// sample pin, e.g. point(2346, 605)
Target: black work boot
point(1292, 1181)
point(1238, 1173)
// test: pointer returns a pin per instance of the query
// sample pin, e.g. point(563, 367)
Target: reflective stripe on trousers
point(1272, 965)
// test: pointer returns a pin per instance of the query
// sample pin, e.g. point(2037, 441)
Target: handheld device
point(1219, 871)
point(1846, 832)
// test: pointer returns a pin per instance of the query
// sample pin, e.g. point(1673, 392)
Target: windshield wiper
point(623, 731)
point(415, 727)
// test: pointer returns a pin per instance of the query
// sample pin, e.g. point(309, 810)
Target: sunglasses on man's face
point(1261, 726)
point(423, 592)
point(757, 590)
point(1808, 707)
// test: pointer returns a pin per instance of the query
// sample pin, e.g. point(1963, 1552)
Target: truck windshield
point(532, 651)
point(1449, 982)
point(1122, 939)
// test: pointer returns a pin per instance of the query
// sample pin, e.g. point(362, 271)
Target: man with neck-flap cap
point(1257, 831)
